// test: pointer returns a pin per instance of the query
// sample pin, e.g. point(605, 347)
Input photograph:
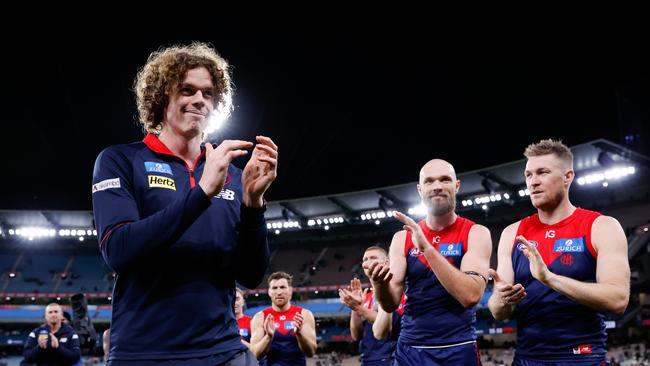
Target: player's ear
point(568, 177)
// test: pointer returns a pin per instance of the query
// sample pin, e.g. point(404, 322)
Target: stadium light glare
point(418, 210)
point(81, 238)
point(377, 222)
point(327, 227)
point(607, 175)
point(217, 119)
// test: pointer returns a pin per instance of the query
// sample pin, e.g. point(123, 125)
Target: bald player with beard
point(441, 263)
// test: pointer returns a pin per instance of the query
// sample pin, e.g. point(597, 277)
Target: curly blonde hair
point(164, 72)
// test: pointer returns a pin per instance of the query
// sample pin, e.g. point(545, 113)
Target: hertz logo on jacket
point(156, 181)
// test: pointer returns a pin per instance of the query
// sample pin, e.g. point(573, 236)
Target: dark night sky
point(355, 98)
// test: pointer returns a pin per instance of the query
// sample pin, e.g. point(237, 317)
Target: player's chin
point(538, 202)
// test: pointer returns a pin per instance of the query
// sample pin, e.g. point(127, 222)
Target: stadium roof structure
point(599, 165)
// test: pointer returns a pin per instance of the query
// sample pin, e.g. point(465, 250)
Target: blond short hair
point(550, 146)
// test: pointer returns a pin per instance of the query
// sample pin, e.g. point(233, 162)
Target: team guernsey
point(550, 326)
point(436, 328)
point(244, 324)
point(176, 253)
point(284, 350)
point(379, 352)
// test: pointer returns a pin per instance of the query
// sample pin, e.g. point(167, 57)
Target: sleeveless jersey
point(245, 328)
point(549, 324)
point(284, 349)
point(371, 348)
point(432, 317)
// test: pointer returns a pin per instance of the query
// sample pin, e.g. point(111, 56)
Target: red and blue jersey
point(432, 317)
point(549, 324)
point(244, 324)
point(374, 350)
point(176, 252)
point(284, 349)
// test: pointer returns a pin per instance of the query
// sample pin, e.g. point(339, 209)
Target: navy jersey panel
point(371, 348)
point(173, 250)
point(431, 315)
point(460, 355)
point(551, 326)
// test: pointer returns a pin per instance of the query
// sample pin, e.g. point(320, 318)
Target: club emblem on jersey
point(283, 317)
point(567, 260)
point(436, 239)
point(574, 245)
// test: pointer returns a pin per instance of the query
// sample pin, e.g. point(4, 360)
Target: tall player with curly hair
point(178, 222)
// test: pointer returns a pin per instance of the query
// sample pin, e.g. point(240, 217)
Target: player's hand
point(352, 299)
point(260, 171)
point(42, 342)
point(298, 320)
point(269, 326)
point(507, 293)
point(412, 227)
point(217, 161)
point(538, 268)
point(55, 341)
point(378, 273)
point(355, 285)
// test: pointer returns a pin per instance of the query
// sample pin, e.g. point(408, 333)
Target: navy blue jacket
point(176, 252)
point(67, 353)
